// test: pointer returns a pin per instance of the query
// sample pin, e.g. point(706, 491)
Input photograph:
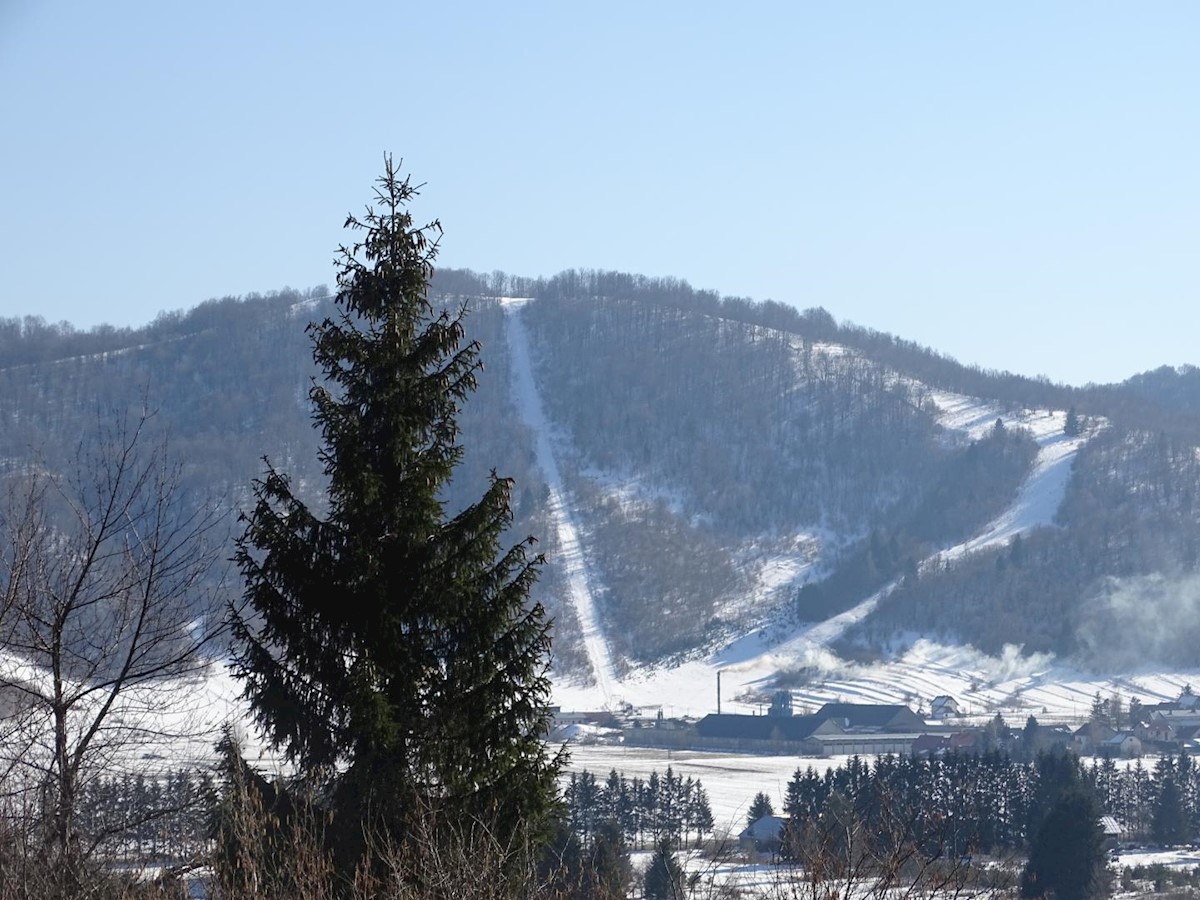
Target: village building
point(943, 707)
point(1112, 832)
point(1089, 737)
point(782, 734)
point(764, 835)
point(1123, 744)
point(1172, 725)
point(875, 717)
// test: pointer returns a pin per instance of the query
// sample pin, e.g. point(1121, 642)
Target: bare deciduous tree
point(108, 602)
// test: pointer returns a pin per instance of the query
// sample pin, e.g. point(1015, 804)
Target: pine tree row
point(987, 802)
point(647, 810)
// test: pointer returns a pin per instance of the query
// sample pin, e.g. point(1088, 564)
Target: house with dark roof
point(1112, 832)
point(791, 733)
point(870, 716)
point(765, 835)
point(1089, 737)
point(1124, 744)
point(1048, 738)
point(1167, 724)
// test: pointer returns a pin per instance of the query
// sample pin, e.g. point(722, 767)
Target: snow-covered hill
point(696, 465)
point(1013, 683)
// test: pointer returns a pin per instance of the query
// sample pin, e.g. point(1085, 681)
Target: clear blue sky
point(1015, 184)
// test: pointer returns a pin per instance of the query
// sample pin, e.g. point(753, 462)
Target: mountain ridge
point(783, 467)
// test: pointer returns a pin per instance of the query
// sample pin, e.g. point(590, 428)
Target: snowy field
point(730, 779)
point(1013, 683)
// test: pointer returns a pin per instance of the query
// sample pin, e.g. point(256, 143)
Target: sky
point(1014, 184)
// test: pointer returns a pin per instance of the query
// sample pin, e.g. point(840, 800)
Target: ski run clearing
point(570, 551)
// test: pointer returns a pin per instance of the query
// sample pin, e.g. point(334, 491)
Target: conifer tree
point(1066, 855)
point(381, 639)
point(664, 879)
point(761, 806)
point(1072, 426)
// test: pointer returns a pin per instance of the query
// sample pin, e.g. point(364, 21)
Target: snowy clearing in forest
point(571, 554)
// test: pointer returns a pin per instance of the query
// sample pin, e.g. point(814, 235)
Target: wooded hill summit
point(697, 467)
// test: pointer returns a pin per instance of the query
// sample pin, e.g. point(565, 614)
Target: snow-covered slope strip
point(1035, 505)
point(1040, 496)
point(570, 551)
point(1044, 488)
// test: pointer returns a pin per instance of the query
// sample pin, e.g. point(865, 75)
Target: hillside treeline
point(228, 383)
point(753, 430)
point(703, 432)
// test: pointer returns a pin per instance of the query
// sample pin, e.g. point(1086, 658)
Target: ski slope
point(570, 551)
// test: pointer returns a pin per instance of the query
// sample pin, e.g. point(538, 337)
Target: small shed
point(1112, 832)
point(764, 835)
point(1124, 744)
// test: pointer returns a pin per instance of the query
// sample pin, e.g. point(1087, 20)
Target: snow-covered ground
point(730, 779)
point(1013, 683)
point(570, 553)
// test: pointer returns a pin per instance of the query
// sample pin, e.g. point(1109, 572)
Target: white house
point(764, 835)
point(944, 706)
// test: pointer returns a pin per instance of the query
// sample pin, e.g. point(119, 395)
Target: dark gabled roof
point(1121, 737)
point(868, 715)
point(1095, 731)
point(929, 743)
point(764, 828)
point(758, 728)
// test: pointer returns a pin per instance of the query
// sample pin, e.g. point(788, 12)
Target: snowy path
point(570, 551)
point(1035, 505)
point(1039, 498)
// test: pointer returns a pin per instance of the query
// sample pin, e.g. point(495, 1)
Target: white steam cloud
point(1140, 622)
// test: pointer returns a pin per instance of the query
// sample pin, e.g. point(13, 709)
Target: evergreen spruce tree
point(759, 807)
point(1066, 856)
point(611, 871)
point(1072, 426)
point(664, 875)
point(385, 644)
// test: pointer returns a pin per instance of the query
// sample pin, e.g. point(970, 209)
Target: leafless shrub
point(106, 596)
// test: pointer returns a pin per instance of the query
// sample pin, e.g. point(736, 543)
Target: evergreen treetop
point(759, 807)
point(384, 640)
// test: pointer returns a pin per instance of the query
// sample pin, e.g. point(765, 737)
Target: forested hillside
point(724, 434)
point(1112, 585)
point(700, 438)
point(228, 383)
